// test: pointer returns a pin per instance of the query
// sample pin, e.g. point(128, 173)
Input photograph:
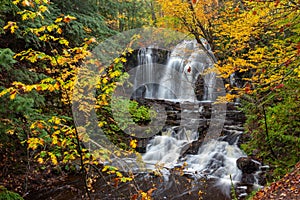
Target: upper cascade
point(176, 80)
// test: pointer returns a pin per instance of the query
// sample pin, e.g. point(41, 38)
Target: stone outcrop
point(196, 115)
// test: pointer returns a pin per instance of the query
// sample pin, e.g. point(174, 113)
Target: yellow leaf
point(64, 41)
point(100, 124)
point(49, 28)
point(16, 2)
point(123, 59)
point(87, 29)
point(53, 158)
point(33, 143)
point(63, 142)
point(105, 168)
point(133, 143)
point(60, 60)
point(11, 25)
point(54, 139)
point(59, 31)
point(11, 132)
point(57, 86)
point(56, 120)
point(116, 60)
point(25, 16)
point(41, 160)
point(51, 88)
point(55, 133)
point(3, 92)
point(43, 8)
point(13, 94)
point(32, 126)
point(119, 174)
point(68, 18)
point(130, 50)
point(104, 80)
point(58, 20)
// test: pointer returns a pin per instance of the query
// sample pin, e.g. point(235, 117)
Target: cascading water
point(189, 61)
point(177, 61)
point(146, 58)
point(167, 149)
point(216, 158)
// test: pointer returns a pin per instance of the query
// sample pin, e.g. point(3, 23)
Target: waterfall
point(175, 82)
point(189, 62)
point(167, 149)
point(146, 58)
point(217, 158)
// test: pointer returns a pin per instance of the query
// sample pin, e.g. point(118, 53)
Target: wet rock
point(231, 136)
point(248, 179)
point(248, 165)
point(191, 148)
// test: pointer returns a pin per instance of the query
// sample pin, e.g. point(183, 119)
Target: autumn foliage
point(43, 44)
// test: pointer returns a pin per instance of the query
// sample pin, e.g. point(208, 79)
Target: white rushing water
point(146, 59)
point(166, 149)
point(214, 159)
point(185, 64)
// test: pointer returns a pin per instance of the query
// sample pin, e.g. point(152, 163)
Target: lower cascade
point(218, 160)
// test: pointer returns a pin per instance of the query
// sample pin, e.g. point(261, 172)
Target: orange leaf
point(25, 3)
point(68, 18)
point(40, 125)
point(293, 188)
point(116, 182)
point(39, 88)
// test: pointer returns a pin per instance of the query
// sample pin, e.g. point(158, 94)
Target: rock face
point(175, 111)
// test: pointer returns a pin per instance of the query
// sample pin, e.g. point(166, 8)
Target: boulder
point(248, 165)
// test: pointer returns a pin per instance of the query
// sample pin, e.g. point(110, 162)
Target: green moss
point(274, 134)
point(9, 195)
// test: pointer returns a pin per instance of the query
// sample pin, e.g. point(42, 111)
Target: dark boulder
point(248, 165)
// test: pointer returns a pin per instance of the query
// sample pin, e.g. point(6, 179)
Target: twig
point(267, 132)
